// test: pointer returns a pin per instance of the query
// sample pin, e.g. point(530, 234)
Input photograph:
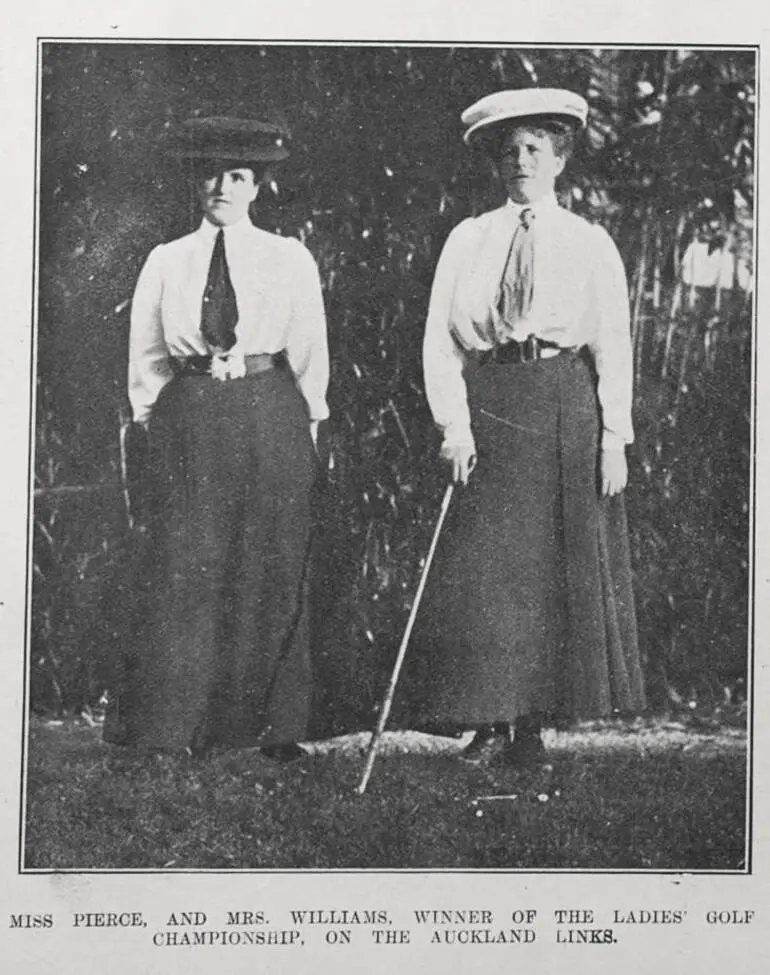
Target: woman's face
point(528, 164)
point(226, 194)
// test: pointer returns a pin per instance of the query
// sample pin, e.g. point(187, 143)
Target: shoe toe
point(483, 750)
point(284, 753)
point(526, 755)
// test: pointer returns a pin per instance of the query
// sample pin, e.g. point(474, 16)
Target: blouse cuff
point(612, 441)
point(459, 436)
point(318, 410)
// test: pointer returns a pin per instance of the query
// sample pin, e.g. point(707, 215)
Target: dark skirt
point(529, 608)
point(220, 650)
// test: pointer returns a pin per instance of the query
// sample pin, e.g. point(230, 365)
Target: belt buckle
point(228, 367)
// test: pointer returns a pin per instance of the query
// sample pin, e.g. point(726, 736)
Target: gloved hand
point(462, 459)
point(322, 441)
point(134, 449)
point(614, 471)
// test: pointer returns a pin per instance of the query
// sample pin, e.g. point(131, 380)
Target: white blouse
point(580, 298)
point(280, 308)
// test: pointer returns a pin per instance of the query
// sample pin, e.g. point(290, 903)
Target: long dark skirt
point(221, 654)
point(529, 608)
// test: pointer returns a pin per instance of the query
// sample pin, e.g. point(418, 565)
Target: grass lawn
point(648, 796)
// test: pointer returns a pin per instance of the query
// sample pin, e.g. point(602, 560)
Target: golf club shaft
point(388, 701)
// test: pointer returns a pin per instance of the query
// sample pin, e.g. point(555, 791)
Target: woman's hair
point(561, 134)
point(204, 168)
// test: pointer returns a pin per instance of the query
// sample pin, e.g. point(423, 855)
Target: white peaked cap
point(523, 103)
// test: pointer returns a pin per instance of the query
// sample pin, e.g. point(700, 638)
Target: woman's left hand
point(321, 436)
point(614, 471)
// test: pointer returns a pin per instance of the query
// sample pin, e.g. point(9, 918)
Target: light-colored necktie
point(517, 286)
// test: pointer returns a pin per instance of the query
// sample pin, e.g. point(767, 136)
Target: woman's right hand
point(462, 458)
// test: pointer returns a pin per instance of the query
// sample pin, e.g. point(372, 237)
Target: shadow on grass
point(644, 799)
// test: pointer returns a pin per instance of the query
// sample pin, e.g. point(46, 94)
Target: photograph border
point(121, 41)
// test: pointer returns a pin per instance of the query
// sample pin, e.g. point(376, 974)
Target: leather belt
point(530, 350)
point(225, 366)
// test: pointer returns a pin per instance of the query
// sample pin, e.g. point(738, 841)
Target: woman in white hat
point(228, 369)
point(529, 615)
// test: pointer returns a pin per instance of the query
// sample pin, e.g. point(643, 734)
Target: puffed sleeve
point(148, 364)
point(611, 345)
point(306, 346)
point(442, 357)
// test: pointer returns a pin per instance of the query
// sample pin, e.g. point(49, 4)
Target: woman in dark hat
point(529, 615)
point(228, 369)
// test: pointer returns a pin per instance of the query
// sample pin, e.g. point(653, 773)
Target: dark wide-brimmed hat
point(524, 105)
point(239, 142)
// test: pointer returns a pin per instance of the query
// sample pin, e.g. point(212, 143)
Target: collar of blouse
point(242, 228)
point(545, 204)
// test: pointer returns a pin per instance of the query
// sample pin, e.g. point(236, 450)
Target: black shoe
point(527, 751)
point(285, 753)
point(485, 747)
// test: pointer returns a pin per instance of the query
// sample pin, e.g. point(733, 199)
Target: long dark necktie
point(517, 287)
point(219, 309)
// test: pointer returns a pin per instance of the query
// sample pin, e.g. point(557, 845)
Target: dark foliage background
point(377, 178)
